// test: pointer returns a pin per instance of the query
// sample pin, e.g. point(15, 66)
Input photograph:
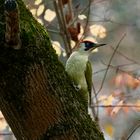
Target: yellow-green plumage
point(79, 69)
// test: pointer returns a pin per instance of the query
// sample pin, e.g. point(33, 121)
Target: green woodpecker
point(79, 69)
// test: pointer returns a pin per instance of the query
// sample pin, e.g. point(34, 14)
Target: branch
point(63, 28)
point(86, 25)
point(64, 24)
point(133, 131)
point(76, 17)
point(70, 9)
point(106, 106)
point(118, 52)
point(109, 64)
point(114, 67)
point(6, 134)
point(118, 69)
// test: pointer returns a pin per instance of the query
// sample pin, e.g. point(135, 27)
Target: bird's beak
point(95, 46)
point(98, 45)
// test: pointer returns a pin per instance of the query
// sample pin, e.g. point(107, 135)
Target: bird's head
point(88, 46)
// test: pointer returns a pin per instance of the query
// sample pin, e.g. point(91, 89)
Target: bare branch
point(113, 67)
point(107, 106)
point(118, 69)
point(76, 17)
point(109, 63)
point(133, 131)
point(6, 134)
point(63, 26)
point(70, 9)
point(118, 52)
point(87, 21)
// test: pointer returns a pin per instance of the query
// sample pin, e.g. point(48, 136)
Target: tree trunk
point(36, 96)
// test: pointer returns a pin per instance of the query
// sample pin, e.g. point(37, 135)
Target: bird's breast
point(75, 67)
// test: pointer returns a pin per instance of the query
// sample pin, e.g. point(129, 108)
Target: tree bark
point(36, 96)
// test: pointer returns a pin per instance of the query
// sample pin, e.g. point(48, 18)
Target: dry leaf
point(137, 106)
point(125, 79)
point(118, 93)
point(73, 33)
point(78, 27)
point(109, 129)
point(132, 82)
point(65, 2)
point(109, 110)
point(126, 109)
point(102, 98)
point(68, 18)
point(80, 35)
point(119, 80)
point(108, 100)
point(116, 109)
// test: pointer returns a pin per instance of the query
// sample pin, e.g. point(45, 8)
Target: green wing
point(88, 75)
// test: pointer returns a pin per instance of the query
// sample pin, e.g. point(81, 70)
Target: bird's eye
point(87, 44)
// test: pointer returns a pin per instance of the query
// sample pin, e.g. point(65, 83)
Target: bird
point(79, 69)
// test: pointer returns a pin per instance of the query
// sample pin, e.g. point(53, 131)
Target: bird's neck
point(80, 55)
point(84, 53)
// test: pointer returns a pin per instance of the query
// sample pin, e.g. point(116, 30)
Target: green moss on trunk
point(16, 65)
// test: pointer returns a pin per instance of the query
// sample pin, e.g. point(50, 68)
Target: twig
point(126, 56)
point(133, 131)
point(61, 27)
point(70, 9)
point(65, 27)
point(115, 67)
point(107, 106)
point(95, 113)
point(111, 21)
point(86, 24)
point(3, 134)
point(76, 17)
point(54, 31)
point(110, 64)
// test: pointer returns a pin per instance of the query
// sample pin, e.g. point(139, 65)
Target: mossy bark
point(36, 96)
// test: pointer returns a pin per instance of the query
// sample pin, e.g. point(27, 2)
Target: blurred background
point(116, 73)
